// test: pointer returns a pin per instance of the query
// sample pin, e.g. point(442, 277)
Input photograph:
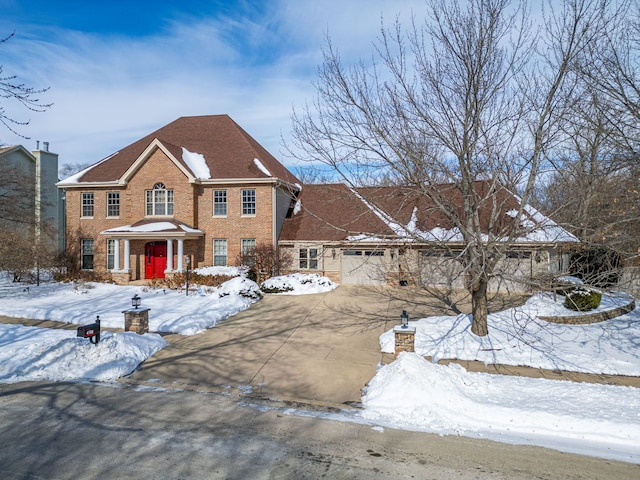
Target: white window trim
point(82, 204)
point(108, 205)
point(255, 202)
point(168, 192)
point(309, 258)
point(226, 203)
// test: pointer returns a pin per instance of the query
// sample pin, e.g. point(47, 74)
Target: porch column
point(116, 254)
point(180, 254)
point(127, 266)
point(169, 255)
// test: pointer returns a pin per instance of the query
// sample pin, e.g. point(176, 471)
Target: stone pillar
point(405, 339)
point(136, 320)
point(169, 255)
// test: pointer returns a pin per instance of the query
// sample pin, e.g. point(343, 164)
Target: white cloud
point(109, 90)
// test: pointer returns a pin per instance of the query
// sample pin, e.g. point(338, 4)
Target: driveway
point(320, 348)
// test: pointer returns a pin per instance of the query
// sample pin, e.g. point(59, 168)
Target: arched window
point(159, 201)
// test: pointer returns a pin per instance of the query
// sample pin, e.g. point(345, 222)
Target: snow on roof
point(297, 207)
point(399, 230)
point(541, 228)
point(197, 163)
point(75, 178)
point(261, 167)
point(152, 227)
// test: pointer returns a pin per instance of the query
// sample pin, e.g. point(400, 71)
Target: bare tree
point(264, 261)
point(473, 93)
point(17, 195)
point(593, 191)
point(26, 240)
point(69, 169)
point(13, 90)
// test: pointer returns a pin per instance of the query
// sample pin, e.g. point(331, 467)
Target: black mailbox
point(92, 331)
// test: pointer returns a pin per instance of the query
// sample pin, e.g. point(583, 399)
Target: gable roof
point(229, 153)
point(9, 149)
point(334, 212)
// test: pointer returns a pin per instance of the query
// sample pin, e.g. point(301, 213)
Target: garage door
point(364, 267)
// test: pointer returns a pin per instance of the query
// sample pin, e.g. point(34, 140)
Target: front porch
point(150, 250)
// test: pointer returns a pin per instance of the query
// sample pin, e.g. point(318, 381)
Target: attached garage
point(364, 267)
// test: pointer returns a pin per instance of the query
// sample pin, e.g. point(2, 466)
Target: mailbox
point(91, 331)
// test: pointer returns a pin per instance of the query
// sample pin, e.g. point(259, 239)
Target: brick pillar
point(405, 339)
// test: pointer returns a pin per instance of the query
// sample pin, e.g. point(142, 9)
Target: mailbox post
point(92, 331)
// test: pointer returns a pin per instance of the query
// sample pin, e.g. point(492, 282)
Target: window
point(159, 201)
point(87, 204)
point(249, 201)
point(220, 252)
point(518, 254)
point(111, 254)
point(309, 258)
point(360, 253)
point(113, 204)
point(437, 252)
point(87, 254)
point(248, 247)
point(219, 203)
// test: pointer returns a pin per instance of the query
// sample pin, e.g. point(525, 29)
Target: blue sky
point(117, 70)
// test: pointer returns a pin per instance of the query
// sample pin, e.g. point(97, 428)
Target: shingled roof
point(228, 150)
point(330, 212)
point(334, 212)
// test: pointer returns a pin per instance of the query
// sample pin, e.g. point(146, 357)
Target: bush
point(582, 300)
point(596, 265)
point(282, 289)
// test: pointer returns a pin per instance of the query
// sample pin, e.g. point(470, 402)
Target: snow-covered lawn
point(518, 337)
point(598, 420)
point(409, 393)
point(171, 310)
point(30, 353)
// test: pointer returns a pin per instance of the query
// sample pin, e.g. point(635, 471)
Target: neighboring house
point(379, 235)
point(38, 173)
point(199, 190)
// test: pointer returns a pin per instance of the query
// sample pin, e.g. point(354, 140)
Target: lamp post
point(404, 319)
point(135, 301)
point(188, 262)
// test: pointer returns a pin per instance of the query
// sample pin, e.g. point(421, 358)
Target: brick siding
point(193, 205)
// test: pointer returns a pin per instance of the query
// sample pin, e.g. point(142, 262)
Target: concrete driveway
point(320, 348)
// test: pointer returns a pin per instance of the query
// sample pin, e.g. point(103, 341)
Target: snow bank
point(299, 284)
point(34, 354)
point(414, 394)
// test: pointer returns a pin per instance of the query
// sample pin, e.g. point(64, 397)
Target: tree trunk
point(479, 310)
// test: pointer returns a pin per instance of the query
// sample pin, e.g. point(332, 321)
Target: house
point(29, 183)
point(201, 191)
point(198, 191)
point(382, 235)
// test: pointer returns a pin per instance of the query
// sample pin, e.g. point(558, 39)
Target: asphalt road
point(89, 431)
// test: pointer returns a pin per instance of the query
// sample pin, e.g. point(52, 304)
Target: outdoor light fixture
point(188, 262)
point(404, 319)
point(135, 301)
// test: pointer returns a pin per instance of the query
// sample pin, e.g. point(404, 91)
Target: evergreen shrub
point(582, 300)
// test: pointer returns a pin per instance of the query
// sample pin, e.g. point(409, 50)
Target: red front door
point(155, 262)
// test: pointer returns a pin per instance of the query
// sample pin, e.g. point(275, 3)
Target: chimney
point(46, 146)
point(37, 144)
